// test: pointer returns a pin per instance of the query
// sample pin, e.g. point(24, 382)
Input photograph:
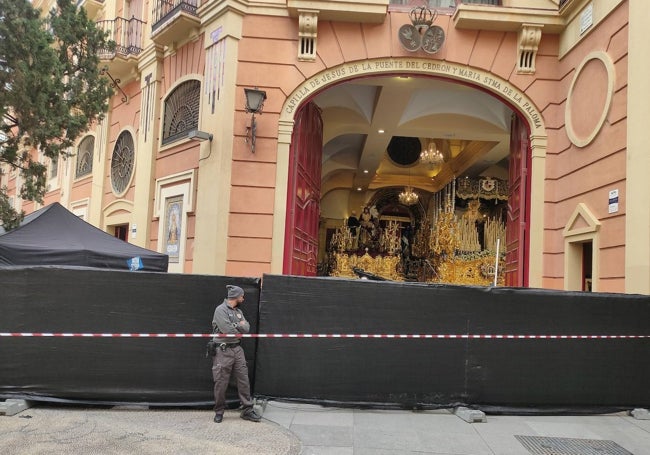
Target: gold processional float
point(445, 248)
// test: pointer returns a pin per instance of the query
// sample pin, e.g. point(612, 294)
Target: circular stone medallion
point(409, 37)
point(433, 39)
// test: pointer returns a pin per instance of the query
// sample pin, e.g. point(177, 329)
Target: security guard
point(229, 319)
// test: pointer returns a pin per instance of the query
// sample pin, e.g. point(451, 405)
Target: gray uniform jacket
point(227, 320)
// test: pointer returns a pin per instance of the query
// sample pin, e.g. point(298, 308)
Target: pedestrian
point(229, 359)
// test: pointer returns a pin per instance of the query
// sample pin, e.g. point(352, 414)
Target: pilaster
point(151, 72)
point(637, 204)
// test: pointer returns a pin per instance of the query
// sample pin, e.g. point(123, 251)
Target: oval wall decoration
point(590, 92)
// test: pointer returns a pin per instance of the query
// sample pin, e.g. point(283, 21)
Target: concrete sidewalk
point(329, 431)
point(294, 429)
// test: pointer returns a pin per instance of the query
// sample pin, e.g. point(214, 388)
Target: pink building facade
point(548, 96)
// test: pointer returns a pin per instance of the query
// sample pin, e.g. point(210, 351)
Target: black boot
point(250, 414)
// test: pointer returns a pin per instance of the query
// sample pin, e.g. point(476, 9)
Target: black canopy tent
point(55, 236)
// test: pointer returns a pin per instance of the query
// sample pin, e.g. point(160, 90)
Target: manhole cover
point(541, 445)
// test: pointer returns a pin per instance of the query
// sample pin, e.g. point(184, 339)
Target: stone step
point(11, 407)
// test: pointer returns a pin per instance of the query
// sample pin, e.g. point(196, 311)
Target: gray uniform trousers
point(227, 362)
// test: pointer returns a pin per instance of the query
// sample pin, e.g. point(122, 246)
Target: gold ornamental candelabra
point(342, 240)
point(422, 240)
point(390, 238)
point(444, 238)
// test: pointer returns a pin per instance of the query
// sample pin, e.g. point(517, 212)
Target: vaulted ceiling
point(470, 128)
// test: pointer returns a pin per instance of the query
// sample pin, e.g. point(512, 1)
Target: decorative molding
point(581, 228)
point(117, 208)
point(472, 16)
point(307, 34)
point(147, 105)
point(174, 190)
point(476, 77)
point(175, 179)
point(80, 208)
point(356, 11)
point(528, 42)
point(215, 68)
point(611, 78)
point(590, 223)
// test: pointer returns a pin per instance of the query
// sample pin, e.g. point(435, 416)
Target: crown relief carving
point(421, 33)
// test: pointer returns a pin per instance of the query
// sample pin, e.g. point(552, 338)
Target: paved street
point(293, 429)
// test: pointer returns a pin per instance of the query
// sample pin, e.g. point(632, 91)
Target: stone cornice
point(505, 19)
point(510, 19)
point(366, 11)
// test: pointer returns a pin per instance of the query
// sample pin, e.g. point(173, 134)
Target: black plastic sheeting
point(496, 375)
point(55, 236)
point(155, 371)
point(493, 374)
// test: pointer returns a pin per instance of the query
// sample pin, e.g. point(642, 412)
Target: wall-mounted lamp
point(254, 103)
point(199, 136)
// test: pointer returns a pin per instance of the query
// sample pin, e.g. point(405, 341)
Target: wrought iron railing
point(125, 33)
point(163, 9)
point(481, 2)
point(444, 3)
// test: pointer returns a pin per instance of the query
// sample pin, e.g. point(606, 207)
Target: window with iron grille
point(54, 167)
point(85, 156)
point(122, 162)
point(181, 111)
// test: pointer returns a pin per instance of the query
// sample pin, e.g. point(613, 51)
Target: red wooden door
point(516, 273)
point(303, 193)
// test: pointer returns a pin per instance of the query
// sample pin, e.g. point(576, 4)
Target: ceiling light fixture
point(408, 196)
point(432, 157)
point(380, 131)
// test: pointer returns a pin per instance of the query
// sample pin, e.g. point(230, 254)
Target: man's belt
point(223, 346)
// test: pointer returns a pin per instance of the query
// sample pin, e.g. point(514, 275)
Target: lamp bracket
point(115, 83)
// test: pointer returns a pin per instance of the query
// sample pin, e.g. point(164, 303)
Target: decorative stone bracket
point(528, 42)
point(307, 34)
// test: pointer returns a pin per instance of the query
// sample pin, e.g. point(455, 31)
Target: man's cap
point(234, 291)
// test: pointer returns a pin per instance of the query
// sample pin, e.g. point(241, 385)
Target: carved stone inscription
point(405, 66)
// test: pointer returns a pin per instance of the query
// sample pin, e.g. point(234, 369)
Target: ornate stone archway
point(475, 77)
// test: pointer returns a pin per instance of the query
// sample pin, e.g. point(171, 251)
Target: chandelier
point(408, 196)
point(432, 157)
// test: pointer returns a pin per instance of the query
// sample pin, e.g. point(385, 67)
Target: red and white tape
point(323, 335)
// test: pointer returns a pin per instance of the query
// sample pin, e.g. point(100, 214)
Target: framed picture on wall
point(172, 227)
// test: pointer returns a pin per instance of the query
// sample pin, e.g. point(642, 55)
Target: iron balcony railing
point(480, 2)
point(125, 33)
point(164, 9)
point(444, 3)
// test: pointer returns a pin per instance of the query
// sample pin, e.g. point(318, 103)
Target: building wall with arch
point(483, 59)
point(585, 114)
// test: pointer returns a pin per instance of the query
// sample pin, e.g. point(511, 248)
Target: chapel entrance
point(408, 178)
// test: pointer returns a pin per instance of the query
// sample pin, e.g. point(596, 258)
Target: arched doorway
point(361, 116)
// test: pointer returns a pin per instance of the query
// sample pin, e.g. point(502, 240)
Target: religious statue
point(369, 229)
